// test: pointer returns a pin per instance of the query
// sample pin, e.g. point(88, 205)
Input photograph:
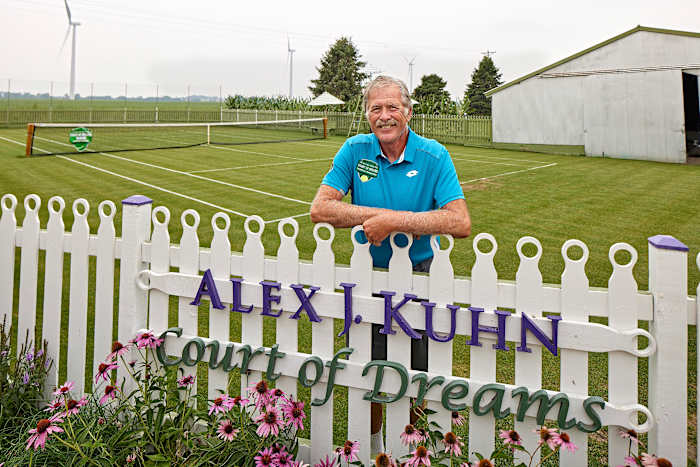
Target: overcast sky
point(242, 45)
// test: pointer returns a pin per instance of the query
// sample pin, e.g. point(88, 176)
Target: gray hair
point(383, 81)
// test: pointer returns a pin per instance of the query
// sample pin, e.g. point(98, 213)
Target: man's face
point(385, 112)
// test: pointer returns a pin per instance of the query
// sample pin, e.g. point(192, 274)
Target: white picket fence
point(147, 254)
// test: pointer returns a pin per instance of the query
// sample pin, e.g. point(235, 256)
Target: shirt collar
point(408, 151)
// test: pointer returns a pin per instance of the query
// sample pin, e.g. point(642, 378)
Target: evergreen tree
point(340, 72)
point(431, 87)
point(484, 78)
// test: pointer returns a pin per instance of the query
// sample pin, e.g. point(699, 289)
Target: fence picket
point(219, 319)
point(398, 346)
point(528, 365)
point(622, 367)
point(53, 289)
point(104, 283)
point(187, 315)
point(360, 339)
point(287, 273)
point(322, 343)
point(482, 359)
point(574, 363)
point(78, 300)
point(441, 292)
point(253, 270)
point(8, 227)
point(29, 260)
point(160, 264)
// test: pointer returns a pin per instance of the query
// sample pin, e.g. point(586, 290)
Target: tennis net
point(71, 138)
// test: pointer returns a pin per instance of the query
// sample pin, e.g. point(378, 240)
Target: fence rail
point(446, 129)
point(148, 258)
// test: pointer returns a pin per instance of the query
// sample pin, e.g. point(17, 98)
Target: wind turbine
point(410, 73)
point(290, 58)
point(73, 24)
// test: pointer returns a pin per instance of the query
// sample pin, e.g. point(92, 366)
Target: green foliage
point(21, 379)
point(340, 72)
point(485, 77)
point(266, 103)
point(431, 87)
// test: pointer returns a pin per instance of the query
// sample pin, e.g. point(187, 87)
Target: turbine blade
point(64, 40)
point(70, 20)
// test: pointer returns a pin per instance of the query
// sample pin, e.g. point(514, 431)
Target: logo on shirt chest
point(367, 170)
point(411, 173)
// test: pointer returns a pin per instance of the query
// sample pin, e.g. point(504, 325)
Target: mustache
point(387, 123)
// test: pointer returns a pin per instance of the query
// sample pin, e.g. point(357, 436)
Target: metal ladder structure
point(356, 121)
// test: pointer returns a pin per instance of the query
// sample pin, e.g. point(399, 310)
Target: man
point(399, 181)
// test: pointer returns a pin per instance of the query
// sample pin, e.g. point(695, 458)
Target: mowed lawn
point(510, 194)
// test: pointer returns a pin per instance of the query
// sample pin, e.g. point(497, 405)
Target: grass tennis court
point(510, 194)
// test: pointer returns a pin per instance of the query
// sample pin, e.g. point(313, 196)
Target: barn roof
point(591, 49)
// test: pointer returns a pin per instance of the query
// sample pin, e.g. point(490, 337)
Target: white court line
point(259, 165)
point(288, 217)
point(503, 158)
point(255, 152)
point(180, 172)
point(508, 173)
point(486, 161)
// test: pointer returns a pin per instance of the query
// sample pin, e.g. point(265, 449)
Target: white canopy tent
point(325, 99)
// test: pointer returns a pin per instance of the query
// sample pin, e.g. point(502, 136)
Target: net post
point(30, 139)
point(325, 127)
point(208, 134)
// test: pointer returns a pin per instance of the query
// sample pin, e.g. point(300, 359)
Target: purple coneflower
point(186, 381)
point(510, 437)
point(548, 436)
point(226, 430)
point(325, 462)
point(384, 460)
point(103, 371)
point(420, 457)
point(482, 463)
point(275, 394)
point(65, 389)
point(630, 461)
point(271, 423)
point(220, 405)
point(650, 460)
point(629, 434)
point(110, 393)
point(283, 459)
point(54, 405)
point(118, 349)
point(349, 451)
point(147, 339)
point(294, 413)
point(260, 394)
point(458, 419)
point(42, 431)
point(565, 442)
point(453, 444)
point(73, 406)
point(264, 458)
point(410, 435)
point(238, 401)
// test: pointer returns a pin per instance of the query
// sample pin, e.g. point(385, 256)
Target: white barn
point(633, 96)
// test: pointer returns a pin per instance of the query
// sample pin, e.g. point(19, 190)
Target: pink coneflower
point(238, 401)
point(65, 389)
point(453, 444)
point(73, 406)
point(548, 436)
point(260, 394)
point(384, 460)
point(325, 463)
point(510, 437)
point(42, 431)
point(284, 459)
point(349, 451)
point(110, 393)
point(650, 460)
point(298, 464)
point(629, 434)
point(274, 394)
point(565, 442)
point(118, 349)
point(220, 405)
point(264, 458)
point(103, 371)
point(271, 422)
point(294, 413)
point(54, 405)
point(630, 461)
point(420, 457)
point(458, 419)
point(186, 381)
point(482, 463)
point(226, 430)
point(147, 339)
point(410, 435)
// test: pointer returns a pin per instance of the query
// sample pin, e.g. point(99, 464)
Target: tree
point(486, 76)
point(340, 72)
point(431, 87)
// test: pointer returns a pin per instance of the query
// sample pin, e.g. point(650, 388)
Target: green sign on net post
point(80, 138)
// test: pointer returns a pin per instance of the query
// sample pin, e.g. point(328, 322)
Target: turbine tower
point(72, 24)
point(410, 73)
point(290, 58)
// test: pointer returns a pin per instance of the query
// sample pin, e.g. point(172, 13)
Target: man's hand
point(378, 227)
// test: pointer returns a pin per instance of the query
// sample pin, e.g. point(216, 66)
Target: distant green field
point(510, 194)
point(96, 104)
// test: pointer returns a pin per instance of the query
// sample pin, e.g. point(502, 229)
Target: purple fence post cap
point(137, 200)
point(667, 242)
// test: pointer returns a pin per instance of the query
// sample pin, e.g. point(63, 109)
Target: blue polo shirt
point(422, 179)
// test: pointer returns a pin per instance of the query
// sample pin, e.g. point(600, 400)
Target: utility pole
point(410, 73)
point(290, 51)
point(488, 53)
